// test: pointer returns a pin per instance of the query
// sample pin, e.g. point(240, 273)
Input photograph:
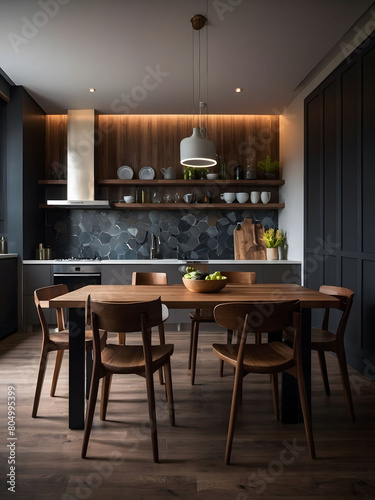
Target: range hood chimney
point(81, 162)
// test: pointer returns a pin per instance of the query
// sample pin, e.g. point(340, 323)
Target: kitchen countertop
point(8, 255)
point(161, 261)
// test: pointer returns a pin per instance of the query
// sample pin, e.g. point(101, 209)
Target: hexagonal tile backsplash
point(109, 234)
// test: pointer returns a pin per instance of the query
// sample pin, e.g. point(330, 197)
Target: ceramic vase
point(272, 253)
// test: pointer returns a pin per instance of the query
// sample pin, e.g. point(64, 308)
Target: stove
point(76, 273)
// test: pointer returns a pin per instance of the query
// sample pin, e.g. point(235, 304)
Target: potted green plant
point(273, 239)
point(269, 168)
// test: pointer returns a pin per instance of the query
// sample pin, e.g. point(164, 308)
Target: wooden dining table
point(178, 297)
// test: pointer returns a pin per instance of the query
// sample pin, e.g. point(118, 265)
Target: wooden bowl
point(204, 286)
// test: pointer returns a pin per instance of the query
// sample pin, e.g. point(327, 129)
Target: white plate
point(125, 172)
point(147, 173)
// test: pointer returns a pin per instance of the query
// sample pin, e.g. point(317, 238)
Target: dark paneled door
point(340, 194)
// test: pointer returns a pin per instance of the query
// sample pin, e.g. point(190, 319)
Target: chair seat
point(130, 359)
point(61, 338)
point(321, 337)
point(258, 358)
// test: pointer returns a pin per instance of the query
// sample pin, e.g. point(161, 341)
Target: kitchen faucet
point(155, 247)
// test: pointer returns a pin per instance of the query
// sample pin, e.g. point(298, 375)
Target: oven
point(76, 275)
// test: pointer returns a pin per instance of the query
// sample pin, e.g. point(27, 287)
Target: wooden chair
point(140, 278)
point(58, 342)
point(143, 359)
point(206, 316)
point(144, 278)
point(268, 358)
point(323, 340)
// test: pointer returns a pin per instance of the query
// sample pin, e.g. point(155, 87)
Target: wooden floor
point(269, 460)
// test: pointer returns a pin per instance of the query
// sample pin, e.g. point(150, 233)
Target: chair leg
point(40, 380)
point(194, 349)
point(121, 338)
point(162, 342)
point(106, 388)
point(90, 412)
point(306, 413)
point(152, 415)
point(221, 362)
point(346, 384)
point(275, 394)
point(192, 326)
point(56, 371)
point(169, 391)
point(237, 390)
point(323, 369)
point(89, 365)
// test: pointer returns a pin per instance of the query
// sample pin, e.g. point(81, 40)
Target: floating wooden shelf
point(170, 182)
point(53, 182)
point(180, 206)
point(198, 206)
point(189, 182)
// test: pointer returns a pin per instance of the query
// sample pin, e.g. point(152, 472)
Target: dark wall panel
point(349, 275)
point(368, 306)
point(350, 127)
point(344, 138)
point(330, 263)
point(330, 159)
point(315, 109)
point(368, 152)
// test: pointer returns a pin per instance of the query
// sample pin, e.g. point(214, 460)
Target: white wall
point(291, 218)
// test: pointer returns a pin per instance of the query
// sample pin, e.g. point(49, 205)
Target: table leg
point(76, 367)
point(291, 412)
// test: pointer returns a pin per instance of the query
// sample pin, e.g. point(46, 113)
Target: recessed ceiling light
point(92, 90)
point(238, 90)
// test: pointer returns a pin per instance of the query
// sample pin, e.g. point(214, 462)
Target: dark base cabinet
point(339, 195)
point(9, 296)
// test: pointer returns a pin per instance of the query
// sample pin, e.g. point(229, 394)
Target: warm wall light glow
point(92, 90)
point(238, 90)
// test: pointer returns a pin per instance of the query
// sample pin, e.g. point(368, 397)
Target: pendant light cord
point(193, 58)
point(199, 78)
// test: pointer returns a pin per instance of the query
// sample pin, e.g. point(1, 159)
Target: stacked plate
point(147, 173)
point(125, 172)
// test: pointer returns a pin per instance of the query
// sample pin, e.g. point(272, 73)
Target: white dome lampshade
point(195, 151)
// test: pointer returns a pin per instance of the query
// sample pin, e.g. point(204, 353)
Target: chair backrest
point(140, 278)
point(261, 316)
point(48, 293)
point(346, 300)
point(121, 317)
point(245, 277)
point(258, 317)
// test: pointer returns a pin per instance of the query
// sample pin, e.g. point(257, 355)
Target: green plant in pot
point(269, 168)
point(273, 239)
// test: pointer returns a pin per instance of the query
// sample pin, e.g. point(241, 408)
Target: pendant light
point(196, 150)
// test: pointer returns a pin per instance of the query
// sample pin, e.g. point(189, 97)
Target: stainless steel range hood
point(81, 162)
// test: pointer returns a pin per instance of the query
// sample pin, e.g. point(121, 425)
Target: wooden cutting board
point(248, 242)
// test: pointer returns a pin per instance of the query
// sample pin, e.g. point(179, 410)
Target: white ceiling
point(267, 47)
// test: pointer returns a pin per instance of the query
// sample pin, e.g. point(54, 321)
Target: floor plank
point(119, 463)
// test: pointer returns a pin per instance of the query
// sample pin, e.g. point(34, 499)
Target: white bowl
point(212, 176)
point(129, 199)
point(242, 197)
point(228, 197)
